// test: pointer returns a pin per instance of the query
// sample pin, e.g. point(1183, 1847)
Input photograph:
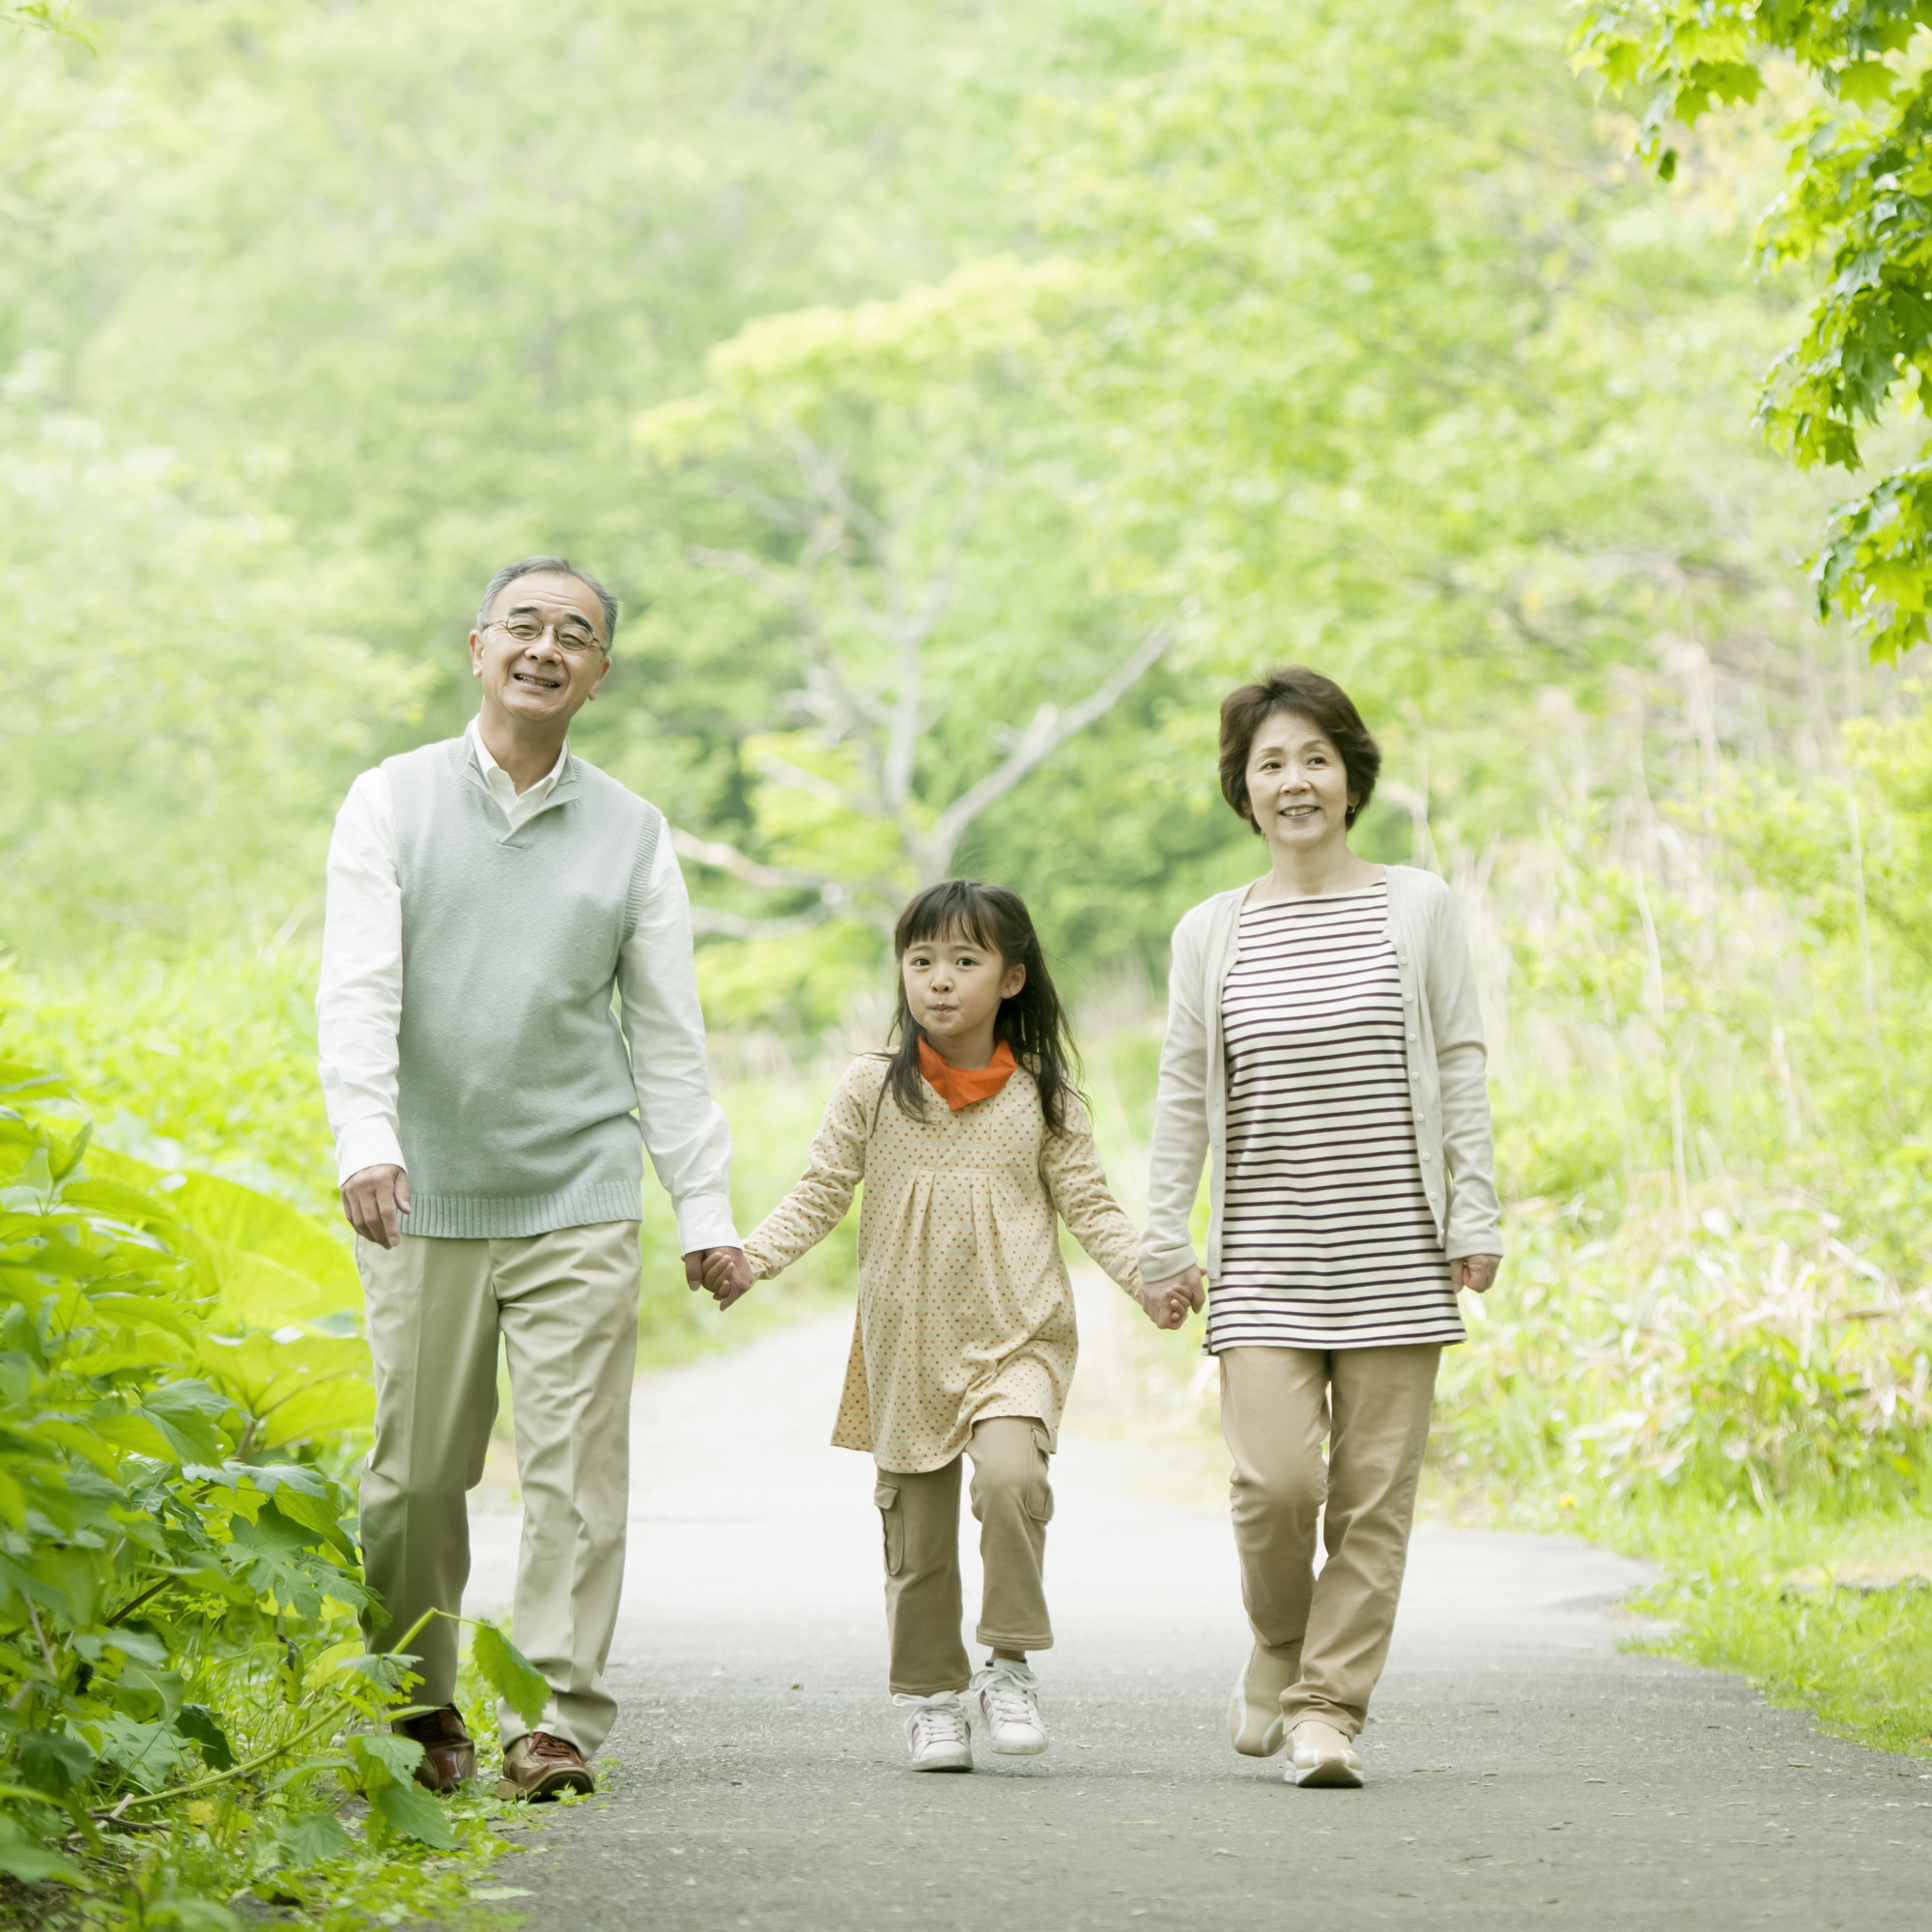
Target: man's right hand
point(375, 1200)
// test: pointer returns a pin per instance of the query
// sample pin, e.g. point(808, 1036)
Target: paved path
point(1520, 1769)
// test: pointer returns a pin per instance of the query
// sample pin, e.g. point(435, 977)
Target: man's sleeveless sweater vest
point(516, 1105)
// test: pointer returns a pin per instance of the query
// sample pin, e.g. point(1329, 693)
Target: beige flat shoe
point(1318, 1755)
point(1254, 1724)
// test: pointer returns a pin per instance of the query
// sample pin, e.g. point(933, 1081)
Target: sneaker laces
point(1010, 1697)
point(942, 1722)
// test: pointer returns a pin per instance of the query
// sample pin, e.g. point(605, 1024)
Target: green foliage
point(304, 445)
point(1856, 211)
point(182, 1682)
point(142, 1554)
point(1409, 379)
point(203, 1060)
point(509, 1672)
point(1718, 1367)
point(186, 685)
point(46, 16)
point(1832, 1617)
point(1348, 332)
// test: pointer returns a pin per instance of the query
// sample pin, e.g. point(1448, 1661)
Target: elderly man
point(486, 897)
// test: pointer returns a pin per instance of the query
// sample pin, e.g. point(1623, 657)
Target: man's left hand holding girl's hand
point(723, 1272)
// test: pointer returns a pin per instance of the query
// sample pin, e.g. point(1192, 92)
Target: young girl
point(969, 1139)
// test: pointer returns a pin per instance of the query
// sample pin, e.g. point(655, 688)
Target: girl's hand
point(1475, 1272)
point(1169, 1303)
point(726, 1274)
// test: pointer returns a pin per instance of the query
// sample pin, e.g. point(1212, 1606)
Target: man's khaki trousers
point(1329, 1634)
point(920, 1515)
point(565, 1305)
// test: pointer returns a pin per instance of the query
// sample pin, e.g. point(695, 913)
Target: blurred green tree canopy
point(929, 381)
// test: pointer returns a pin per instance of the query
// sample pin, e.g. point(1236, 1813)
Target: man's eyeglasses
point(572, 638)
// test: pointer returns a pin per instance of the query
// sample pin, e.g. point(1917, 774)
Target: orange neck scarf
point(960, 1086)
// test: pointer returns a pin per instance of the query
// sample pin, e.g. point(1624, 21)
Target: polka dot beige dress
point(965, 1310)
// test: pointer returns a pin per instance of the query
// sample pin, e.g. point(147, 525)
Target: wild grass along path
point(1520, 1771)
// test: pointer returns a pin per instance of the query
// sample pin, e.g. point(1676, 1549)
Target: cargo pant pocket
point(1038, 1496)
point(886, 1496)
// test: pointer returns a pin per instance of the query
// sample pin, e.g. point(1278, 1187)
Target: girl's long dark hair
point(1032, 1023)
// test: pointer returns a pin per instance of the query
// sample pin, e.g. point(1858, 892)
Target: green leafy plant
point(1859, 149)
point(182, 1685)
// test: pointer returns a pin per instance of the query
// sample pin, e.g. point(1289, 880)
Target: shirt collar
point(499, 780)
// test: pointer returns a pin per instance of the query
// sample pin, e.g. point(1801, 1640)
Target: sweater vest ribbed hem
point(485, 1217)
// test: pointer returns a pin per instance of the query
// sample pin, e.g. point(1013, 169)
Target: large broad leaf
point(510, 1674)
point(55, 1761)
point(384, 1757)
point(203, 1729)
point(123, 1201)
point(132, 1432)
point(388, 1766)
point(312, 1838)
point(409, 1812)
point(186, 1413)
point(293, 1387)
point(143, 1691)
point(151, 1755)
point(268, 1262)
point(319, 1514)
point(258, 1223)
point(274, 1557)
point(21, 1082)
point(35, 1864)
point(79, 1574)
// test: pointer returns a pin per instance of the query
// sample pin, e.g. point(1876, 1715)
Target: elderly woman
point(1324, 1056)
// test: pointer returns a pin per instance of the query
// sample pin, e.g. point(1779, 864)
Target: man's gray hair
point(556, 566)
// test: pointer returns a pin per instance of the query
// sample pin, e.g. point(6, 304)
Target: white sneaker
point(938, 1733)
point(1318, 1754)
point(1007, 1695)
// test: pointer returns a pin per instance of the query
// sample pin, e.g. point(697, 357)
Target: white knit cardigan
point(1443, 1027)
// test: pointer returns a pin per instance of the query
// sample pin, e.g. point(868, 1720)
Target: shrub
point(183, 1682)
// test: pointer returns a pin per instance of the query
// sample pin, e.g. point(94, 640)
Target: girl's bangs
point(948, 915)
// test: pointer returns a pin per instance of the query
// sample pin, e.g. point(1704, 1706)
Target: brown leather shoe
point(541, 1766)
point(448, 1758)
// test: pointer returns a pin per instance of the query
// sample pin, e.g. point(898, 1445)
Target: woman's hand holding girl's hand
point(1169, 1303)
point(1475, 1272)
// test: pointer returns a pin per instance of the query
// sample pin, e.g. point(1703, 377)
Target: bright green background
point(1351, 336)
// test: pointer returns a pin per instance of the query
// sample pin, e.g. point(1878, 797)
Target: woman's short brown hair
point(1307, 694)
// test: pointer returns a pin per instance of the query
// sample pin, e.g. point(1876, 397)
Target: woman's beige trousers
point(1329, 1635)
point(920, 1515)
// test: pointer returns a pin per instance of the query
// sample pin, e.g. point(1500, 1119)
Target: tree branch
point(1049, 729)
point(728, 859)
point(733, 925)
point(741, 564)
point(908, 634)
point(796, 597)
point(782, 771)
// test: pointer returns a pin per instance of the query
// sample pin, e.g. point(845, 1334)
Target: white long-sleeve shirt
point(358, 1005)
